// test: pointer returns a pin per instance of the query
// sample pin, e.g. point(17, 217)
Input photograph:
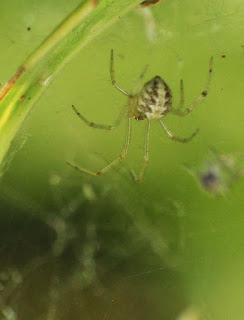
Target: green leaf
point(22, 91)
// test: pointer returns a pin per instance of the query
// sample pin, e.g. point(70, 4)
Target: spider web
point(109, 250)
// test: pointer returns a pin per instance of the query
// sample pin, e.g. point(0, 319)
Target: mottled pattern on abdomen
point(154, 100)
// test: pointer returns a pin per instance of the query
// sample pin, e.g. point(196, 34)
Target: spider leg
point(139, 81)
point(171, 136)
point(203, 94)
point(112, 75)
point(146, 156)
point(100, 126)
point(182, 97)
point(113, 163)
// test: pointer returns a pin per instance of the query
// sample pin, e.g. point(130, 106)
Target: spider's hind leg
point(203, 94)
point(173, 137)
point(182, 96)
point(139, 81)
point(113, 163)
point(146, 157)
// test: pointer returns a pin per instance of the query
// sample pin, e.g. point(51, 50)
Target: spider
point(152, 102)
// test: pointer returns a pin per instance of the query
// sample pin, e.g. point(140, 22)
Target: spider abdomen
point(154, 100)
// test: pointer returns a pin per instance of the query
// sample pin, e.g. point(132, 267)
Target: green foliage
point(164, 241)
point(20, 94)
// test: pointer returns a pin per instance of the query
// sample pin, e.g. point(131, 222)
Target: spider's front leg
point(100, 126)
point(112, 75)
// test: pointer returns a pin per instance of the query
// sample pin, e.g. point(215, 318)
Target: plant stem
point(22, 91)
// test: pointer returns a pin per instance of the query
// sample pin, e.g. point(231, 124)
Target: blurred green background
point(156, 249)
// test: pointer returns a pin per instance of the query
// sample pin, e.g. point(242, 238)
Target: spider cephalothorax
point(152, 102)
